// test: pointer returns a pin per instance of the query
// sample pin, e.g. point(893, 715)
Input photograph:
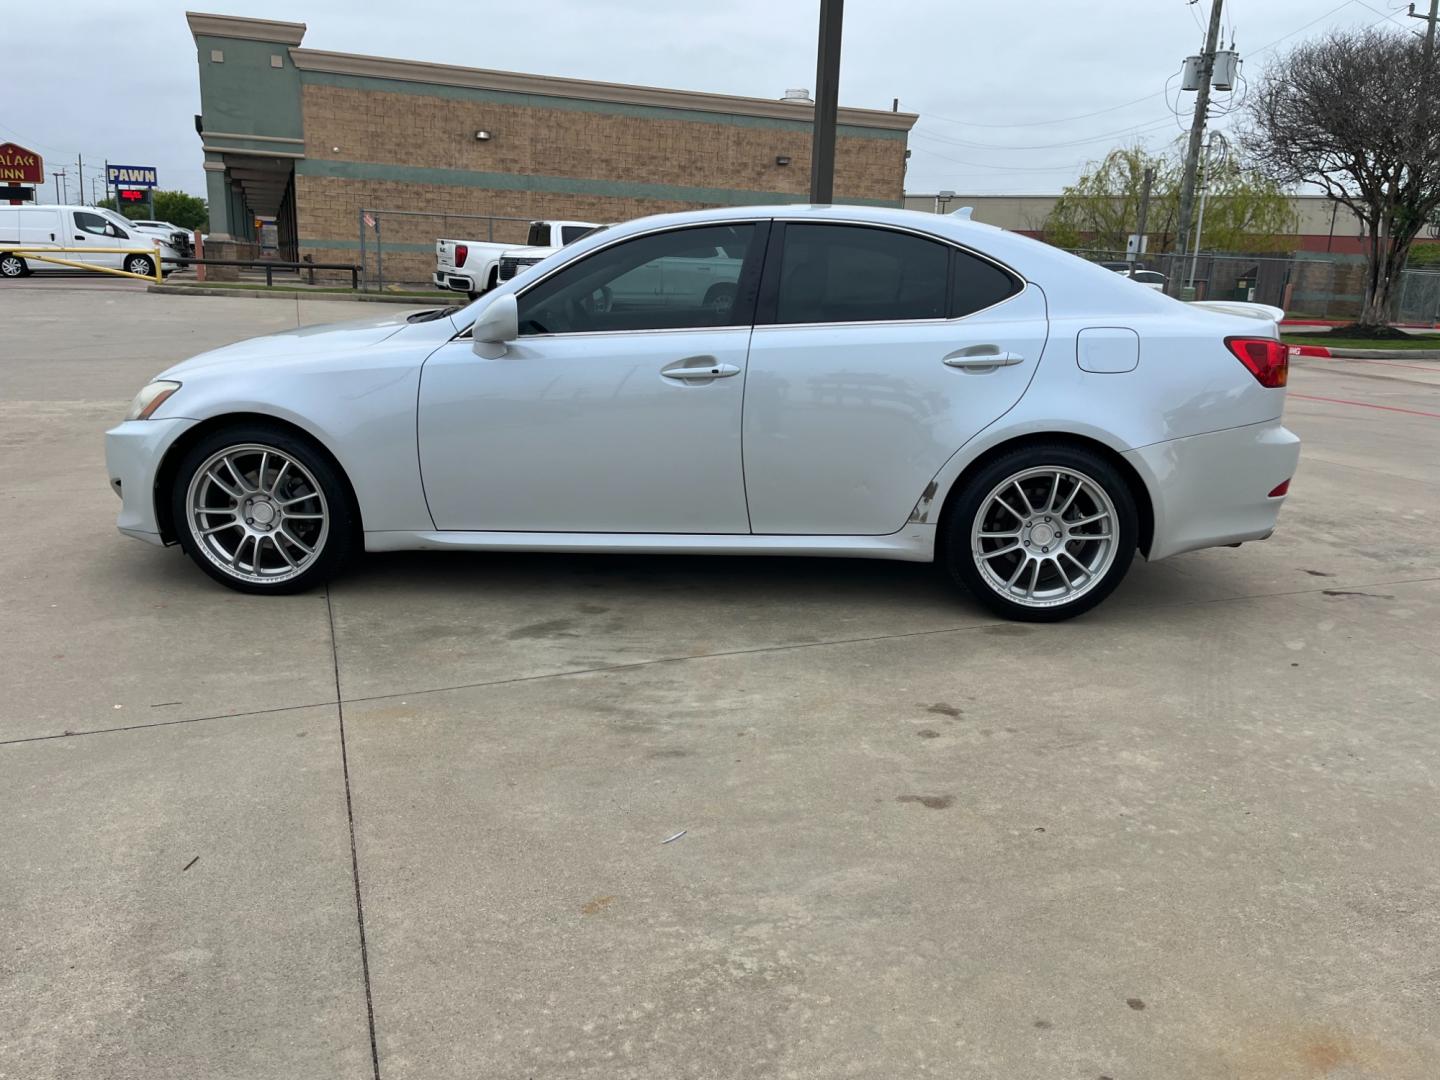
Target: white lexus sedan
point(881, 384)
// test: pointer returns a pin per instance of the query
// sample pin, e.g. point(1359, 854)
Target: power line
point(1047, 146)
point(1044, 123)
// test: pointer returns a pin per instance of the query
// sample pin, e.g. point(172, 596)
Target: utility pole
point(827, 98)
point(1197, 131)
point(1432, 19)
point(80, 158)
point(1145, 186)
point(62, 194)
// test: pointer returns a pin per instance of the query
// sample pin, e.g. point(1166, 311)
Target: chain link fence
point(1307, 285)
point(397, 251)
point(397, 247)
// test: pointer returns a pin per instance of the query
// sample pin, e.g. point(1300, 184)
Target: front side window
point(663, 281)
point(94, 223)
point(853, 273)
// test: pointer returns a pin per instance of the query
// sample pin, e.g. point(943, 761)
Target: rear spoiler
point(1242, 307)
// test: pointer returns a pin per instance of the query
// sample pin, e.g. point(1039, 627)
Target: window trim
point(770, 286)
point(746, 283)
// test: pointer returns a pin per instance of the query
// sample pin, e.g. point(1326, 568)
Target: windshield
point(118, 219)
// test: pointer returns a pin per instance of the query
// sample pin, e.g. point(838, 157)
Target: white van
point(75, 227)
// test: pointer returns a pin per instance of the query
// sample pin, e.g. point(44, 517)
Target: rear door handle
point(982, 356)
point(691, 370)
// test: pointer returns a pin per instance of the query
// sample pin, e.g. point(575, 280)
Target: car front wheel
point(140, 264)
point(1043, 533)
point(262, 511)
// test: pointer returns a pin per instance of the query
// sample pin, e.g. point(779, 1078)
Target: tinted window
point(570, 233)
point(978, 284)
point(848, 273)
point(92, 223)
point(688, 277)
point(1149, 276)
point(539, 234)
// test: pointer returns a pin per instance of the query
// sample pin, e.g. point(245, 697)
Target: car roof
point(1032, 259)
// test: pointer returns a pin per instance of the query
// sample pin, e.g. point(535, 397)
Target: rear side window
point(570, 233)
point(851, 273)
point(978, 284)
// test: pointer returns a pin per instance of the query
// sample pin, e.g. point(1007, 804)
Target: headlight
point(151, 398)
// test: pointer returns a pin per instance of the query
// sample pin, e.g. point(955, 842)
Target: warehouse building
point(315, 139)
point(1321, 223)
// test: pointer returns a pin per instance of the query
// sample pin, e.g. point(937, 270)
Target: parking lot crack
point(354, 854)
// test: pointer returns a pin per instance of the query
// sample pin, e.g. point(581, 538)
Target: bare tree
point(1353, 114)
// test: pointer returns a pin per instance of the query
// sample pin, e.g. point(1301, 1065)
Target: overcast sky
point(1014, 96)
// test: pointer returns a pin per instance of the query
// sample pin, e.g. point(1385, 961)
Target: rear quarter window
point(979, 284)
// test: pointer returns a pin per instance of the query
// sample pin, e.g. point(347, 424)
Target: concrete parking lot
point(413, 825)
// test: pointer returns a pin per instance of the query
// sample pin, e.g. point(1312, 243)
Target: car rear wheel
point(12, 266)
point(263, 511)
point(140, 264)
point(1042, 534)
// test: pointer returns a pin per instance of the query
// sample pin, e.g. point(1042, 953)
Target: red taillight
point(461, 251)
point(1267, 359)
point(1279, 489)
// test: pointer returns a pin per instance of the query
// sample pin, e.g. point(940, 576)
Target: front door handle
point(982, 356)
point(698, 368)
point(79, 237)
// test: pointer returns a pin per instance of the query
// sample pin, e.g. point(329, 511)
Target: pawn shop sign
point(130, 175)
point(20, 166)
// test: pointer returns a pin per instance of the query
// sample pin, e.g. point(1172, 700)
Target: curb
point(291, 294)
point(1320, 352)
point(1384, 354)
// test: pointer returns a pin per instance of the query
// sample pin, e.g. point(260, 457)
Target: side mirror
point(497, 324)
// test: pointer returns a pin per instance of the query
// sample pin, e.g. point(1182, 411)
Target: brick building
point(312, 138)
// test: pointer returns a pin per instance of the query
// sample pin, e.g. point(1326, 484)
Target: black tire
point(1061, 533)
point(140, 264)
point(334, 540)
point(13, 266)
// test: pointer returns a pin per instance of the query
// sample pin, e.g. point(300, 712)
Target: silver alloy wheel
point(1045, 536)
point(12, 266)
point(140, 264)
point(257, 513)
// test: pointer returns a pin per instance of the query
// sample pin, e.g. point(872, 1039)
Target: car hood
point(299, 344)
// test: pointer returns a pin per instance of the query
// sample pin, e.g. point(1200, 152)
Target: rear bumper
point(1213, 489)
point(133, 452)
point(454, 282)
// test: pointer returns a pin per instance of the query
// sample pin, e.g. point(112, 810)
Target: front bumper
point(1214, 489)
point(133, 452)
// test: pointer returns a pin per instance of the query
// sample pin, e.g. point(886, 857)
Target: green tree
point(176, 207)
point(1244, 211)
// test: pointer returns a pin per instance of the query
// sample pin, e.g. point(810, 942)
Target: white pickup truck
point(472, 266)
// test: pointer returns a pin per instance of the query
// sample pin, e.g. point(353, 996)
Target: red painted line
point(1327, 355)
point(1391, 363)
point(1366, 405)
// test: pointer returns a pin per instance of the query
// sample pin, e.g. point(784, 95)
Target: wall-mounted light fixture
point(482, 136)
point(782, 160)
